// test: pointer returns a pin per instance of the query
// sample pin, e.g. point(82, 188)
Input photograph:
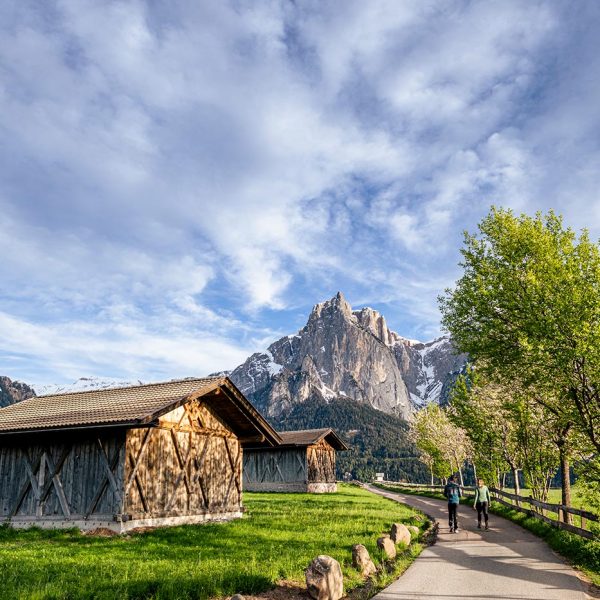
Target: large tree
point(444, 446)
point(527, 307)
point(480, 408)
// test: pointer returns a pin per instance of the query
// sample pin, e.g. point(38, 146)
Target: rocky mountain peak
point(335, 308)
point(345, 353)
point(13, 391)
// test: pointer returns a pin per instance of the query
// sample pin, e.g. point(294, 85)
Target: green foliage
point(379, 442)
point(478, 408)
point(508, 430)
point(528, 304)
point(444, 446)
point(527, 310)
point(278, 537)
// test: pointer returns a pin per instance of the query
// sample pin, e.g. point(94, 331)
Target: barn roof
point(137, 406)
point(308, 437)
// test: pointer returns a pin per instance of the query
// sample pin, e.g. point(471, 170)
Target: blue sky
point(181, 181)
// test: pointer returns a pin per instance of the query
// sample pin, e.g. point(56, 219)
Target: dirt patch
point(289, 590)
point(101, 532)
point(284, 590)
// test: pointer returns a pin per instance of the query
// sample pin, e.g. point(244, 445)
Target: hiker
point(482, 503)
point(453, 494)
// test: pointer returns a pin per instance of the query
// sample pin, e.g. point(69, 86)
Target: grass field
point(277, 538)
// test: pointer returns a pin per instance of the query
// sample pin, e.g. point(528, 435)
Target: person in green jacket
point(482, 503)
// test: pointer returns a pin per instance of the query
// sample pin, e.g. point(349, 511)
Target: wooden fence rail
point(536, 508)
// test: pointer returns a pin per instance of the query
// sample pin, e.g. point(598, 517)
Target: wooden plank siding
point(291, 469)
point(321, 463)
point(190, 464)
point(276, 470)
point(62, 476)
point(185, 467)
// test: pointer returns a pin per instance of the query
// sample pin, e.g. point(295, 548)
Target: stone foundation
point(295, 487)
point(116, 524)
point(321, 488)
point(275, 486)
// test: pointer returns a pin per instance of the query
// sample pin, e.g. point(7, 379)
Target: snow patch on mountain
point(84, 384)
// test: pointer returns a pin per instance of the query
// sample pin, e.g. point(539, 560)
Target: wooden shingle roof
point(308, 437)
point(136, 406)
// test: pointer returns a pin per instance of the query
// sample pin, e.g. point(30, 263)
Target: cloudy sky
point(180, 181)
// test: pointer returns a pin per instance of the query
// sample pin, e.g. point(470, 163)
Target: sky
point(181, 181)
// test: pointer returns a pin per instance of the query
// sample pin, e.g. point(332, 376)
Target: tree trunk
point(515, 473)
point(431, 471)
point(565, 481)
point(475, 473)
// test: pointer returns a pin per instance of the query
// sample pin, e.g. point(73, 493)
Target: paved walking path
point(505, 563)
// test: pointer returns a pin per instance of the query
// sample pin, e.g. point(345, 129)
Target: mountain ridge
point(342, 352)
point(13, 391)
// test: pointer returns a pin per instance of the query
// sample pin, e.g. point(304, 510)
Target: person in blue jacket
point(453, 494)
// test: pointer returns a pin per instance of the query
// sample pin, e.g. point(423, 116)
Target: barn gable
point(146, 455)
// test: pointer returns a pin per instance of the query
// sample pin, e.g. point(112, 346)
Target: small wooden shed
point(303, 462)
point(157, 454)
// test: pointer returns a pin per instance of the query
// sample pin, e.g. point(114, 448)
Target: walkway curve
point(505, 563)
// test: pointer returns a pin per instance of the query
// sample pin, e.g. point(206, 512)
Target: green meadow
point(276, 540)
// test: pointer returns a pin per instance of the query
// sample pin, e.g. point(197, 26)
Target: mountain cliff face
point(341, 353)
point(13, 391)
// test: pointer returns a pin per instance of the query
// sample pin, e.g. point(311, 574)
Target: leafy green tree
point(444, 446)
point(480, 408)
point(527, 308)
point(534, 435)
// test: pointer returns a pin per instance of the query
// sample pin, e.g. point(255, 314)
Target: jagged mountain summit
point(13, 391)
point(353, 354)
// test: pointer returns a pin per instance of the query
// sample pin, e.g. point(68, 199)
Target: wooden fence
point(535, 508)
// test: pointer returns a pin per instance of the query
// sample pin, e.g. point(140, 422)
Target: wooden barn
point(303, 462)
point(158, 454)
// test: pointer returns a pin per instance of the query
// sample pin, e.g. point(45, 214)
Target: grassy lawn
point(582, 553)
point(277, 538)
point(555, 496)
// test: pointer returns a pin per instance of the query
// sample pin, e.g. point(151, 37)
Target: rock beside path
point(362, 561)
point(324, 579)
point(400, 534)
point(387, 545)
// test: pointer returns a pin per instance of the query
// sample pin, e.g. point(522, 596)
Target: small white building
point(379, 476)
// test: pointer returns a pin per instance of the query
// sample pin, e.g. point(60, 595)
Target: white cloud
point(163, 159)
point(120, 350)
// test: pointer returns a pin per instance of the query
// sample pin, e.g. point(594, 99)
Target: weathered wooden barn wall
point(320, 458)
point(191, 464)
point(61, 477)
point(186, 469)
point(282, 470)
point(291, 469)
